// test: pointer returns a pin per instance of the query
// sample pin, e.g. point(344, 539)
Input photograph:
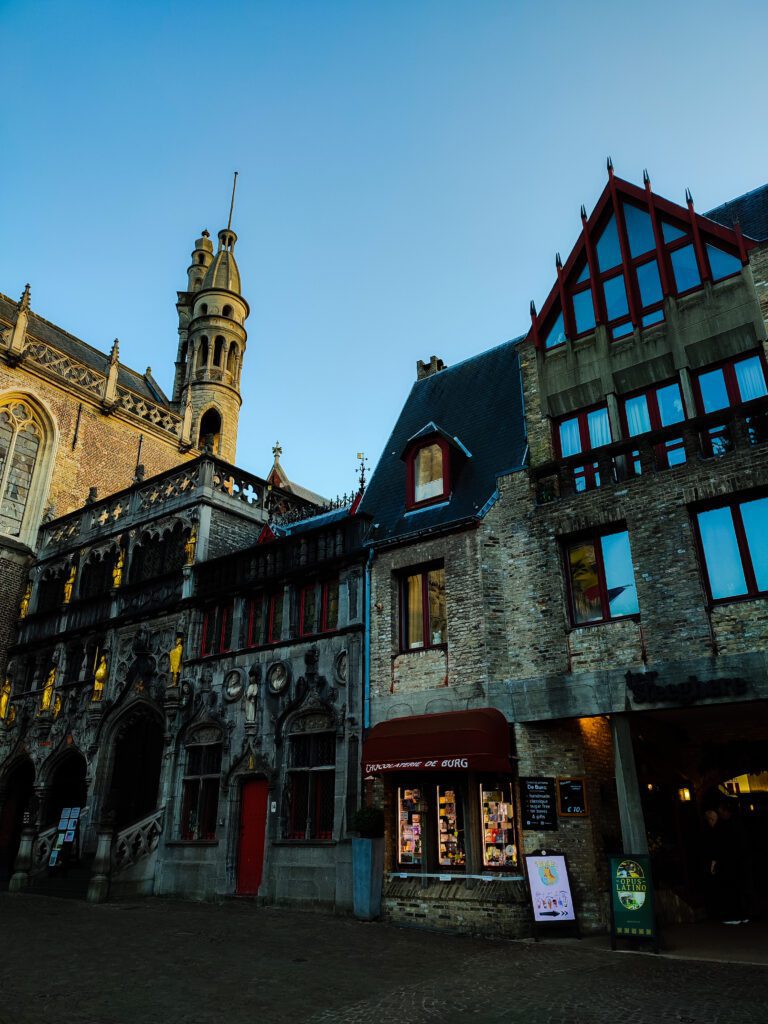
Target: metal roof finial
point(232, 204)
point(610, 167)
point(646, 176)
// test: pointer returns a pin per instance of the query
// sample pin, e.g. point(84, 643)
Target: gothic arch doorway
point(67, 787)
point(136, 762)
point(18, 787)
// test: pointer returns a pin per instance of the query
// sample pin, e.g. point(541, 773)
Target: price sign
point(538, 804)
point(572, 798)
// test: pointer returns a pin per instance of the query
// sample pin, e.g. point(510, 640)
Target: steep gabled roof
point(749, 211)
point(479, 401)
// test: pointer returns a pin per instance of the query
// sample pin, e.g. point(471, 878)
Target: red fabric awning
point(476, 740)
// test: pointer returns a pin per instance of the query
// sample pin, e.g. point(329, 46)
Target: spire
point(114, 354)
point(18, 334)
point(232, 204)
point(23, 303)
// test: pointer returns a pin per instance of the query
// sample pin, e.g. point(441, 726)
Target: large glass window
point(581, 433)
point(556, 333)
point(608, 248)
point(423, 607)
point(722, 264)
point(584, 311)
point(653, 409)
point(200, 791)
point(311, 784)
point(649, 282)
point(686, 268)
point(734, 541)
point(19, 447)
point(217, 629)
point(639, 230)
point(499, 846)
point(428, 473)
point(601, 578)
point(734, 382)
point(616, 297)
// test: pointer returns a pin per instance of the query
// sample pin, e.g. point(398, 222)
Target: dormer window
point(428, 473)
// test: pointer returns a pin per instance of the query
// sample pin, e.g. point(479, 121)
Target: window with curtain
point(581, 433)
point(423, 609)
point(658, 407)
point(601, 579)
point(428, 473)
point(20, 441)
point(729, 384)
point(734, 544)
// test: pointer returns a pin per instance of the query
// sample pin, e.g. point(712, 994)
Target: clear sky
point(407, 171)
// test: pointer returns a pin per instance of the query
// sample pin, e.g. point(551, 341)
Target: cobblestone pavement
point(154, 961)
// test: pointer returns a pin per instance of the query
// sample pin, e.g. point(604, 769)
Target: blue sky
point(407, 172)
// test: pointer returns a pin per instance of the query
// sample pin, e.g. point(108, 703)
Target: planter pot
point(367, 877)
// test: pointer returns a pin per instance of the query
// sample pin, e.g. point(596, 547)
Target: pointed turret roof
point(223, 272)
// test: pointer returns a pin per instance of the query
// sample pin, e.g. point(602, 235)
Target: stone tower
point(212, 337)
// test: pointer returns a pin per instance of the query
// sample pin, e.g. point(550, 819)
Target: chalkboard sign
point(572, 798)
point(537, 798)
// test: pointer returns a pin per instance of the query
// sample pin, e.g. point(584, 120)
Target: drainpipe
point(367, 645)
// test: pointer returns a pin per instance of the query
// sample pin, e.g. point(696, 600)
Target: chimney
point(434, 366)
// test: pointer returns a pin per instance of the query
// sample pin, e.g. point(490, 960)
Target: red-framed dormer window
point(428, 468)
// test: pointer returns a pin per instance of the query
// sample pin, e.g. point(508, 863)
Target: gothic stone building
point(591, 575)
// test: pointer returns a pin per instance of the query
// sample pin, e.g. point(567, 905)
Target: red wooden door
point(253, 822)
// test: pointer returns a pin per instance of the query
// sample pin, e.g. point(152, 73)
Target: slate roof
point(751, 211)
point(43, 330)
point(480, 402)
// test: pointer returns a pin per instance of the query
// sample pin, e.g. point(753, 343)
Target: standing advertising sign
point(550, 889)
point(632, 904)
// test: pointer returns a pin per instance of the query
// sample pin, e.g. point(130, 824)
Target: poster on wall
point(549, 887)
point(632, 905)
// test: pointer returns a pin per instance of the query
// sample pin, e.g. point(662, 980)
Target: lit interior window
point(428, 473)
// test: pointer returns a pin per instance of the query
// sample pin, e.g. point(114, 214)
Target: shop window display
point(451, 832)
point(409, 826)
point(499, 847)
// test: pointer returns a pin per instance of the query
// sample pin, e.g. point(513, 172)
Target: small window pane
point(438, 619)
point(755, 517)
point(556, 334)
point(428, 473)
point(714, 394)
point(721, 553)
point(685, 267)
point(570, 438)
point(276, 612)
point(414, 612)
point(310, 610)
point(670, 232)
point(585, 586)
point(650, 283)
point(584, 311)
point(638, 417)
point(599, 427)
point(639, 230)
point(332, 604)
point(619, 574)
point(722, 263)
point(653, 318)
point(616, 297)
point(670, 402)
point(750, 378)
point(584, 275)
point(608, 248)
point(622, 330)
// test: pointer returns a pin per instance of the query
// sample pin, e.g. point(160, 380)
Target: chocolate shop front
point(452, 849)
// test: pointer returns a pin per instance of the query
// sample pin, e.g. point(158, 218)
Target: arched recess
point(210, 430)
point(28, 442)
point(232, 360)
point(66, 786)
point(202, 353)
point(158, 552)
point(16, 790)
point(137, 740)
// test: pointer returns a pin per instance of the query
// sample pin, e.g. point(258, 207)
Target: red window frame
point(426, 621)
point(750, 578)
point(410, 472)
point(222, 629)
point(256, 608)
point(303, 631)
point(274, 597)
point(654, 415)
point(593, 536)
point(728, 366)
point(589, 472)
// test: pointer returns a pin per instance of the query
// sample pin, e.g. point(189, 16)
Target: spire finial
point(646, 176)
point(688, 197)
point(533, 310)
point(114, 355)
point(361, 474)
point(232, 204)
point(610, 167)
point(558, 261)
point(277, 451)
point(583, 212)
point(23, 304)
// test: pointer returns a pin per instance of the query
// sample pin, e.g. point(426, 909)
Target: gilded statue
point(117, 569)
point(5, 699)
point(100, 678)
point(175, 658)
point(57, 705)
point(189, 547)
point(24, 606)
point(50, 683)
point(69, 584)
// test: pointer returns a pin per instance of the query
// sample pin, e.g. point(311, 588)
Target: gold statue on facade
point(189, 547)
point(5, 699)
point(24, 606)
point(57, 705)
point(175, 659)
point(100, 677)
point(117, 568)
point(47, 696)
point(69, 584)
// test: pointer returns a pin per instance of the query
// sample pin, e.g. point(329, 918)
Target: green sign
point(632, 896)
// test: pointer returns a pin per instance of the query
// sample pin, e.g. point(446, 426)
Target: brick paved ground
point(163, 962)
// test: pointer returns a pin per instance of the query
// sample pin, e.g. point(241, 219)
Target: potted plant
point(367, 862)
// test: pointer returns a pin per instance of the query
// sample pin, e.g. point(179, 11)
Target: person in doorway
point(711, 856)
point(732, 863)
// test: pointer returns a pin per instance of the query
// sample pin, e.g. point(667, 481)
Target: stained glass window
point(20, 438)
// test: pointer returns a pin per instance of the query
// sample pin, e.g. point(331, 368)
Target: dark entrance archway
point(67, 787)
point(18, 787)
point(138, 752)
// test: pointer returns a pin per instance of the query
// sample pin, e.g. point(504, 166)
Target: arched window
point(158, 555)
point(200, 257)
point(232, 360)
point(96, 577)
point(202, 353)
point(20, 441)
point(227, 311)
point(218, 350)
point(210, 430)
point(203, 308)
